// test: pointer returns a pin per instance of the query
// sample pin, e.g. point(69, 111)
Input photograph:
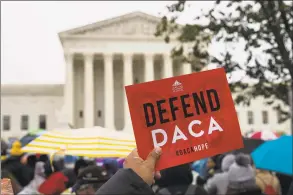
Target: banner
point(190, 117)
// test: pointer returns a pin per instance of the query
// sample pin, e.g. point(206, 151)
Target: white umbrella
point(88, 142)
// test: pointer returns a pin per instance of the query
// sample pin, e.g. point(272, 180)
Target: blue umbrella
point(27, 139)
point(30, 136)
point(275, 155)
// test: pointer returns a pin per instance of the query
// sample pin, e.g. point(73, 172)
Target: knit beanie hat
point(241, 174)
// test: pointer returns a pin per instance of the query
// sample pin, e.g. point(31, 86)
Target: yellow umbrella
point(88, 142)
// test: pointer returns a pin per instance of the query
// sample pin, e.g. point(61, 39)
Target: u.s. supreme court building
point(102, 58)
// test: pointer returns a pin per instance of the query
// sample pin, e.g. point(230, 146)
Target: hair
point(44, 158)
point(200, 181)
point(80, 163)
point(31, 160)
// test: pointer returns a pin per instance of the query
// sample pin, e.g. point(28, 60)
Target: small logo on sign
point(177, 86)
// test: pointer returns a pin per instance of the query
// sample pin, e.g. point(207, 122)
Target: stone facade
point(102, 58)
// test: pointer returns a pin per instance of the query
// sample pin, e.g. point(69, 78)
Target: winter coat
point(285, 182)
point(55, 184)
point(248, 191)
point(17, 169)
point(219, 182)
point(264, 178)
point(39, 178)
point(290, 191)
point(175, 180)
point(125, 182)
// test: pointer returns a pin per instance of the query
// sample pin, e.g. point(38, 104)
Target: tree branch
point(278, 38)
point(285, 20)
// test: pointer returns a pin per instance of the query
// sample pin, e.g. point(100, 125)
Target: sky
point(31, 52)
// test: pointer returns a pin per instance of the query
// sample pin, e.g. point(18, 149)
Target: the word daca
point(178, 134)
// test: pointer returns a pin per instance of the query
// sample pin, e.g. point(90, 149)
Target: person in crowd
point(219, 182)
point(3, 155)
point(15, 184)
point(31, 161)
point(268, 183)
point(48, 169)
point(58, 163)
point(285, 181)
point(79, 165)
point(241, 177)
point(120, 162)
point(54, 185)
point(31, 164)
point(44, 158)
point(39, 178)
point(175, 180)
point(199, 166)
point(199, 188)
point(210, 169)
point(111, 165)
point(90, 179)
point(58, 181)
point(70, 174)
point(217, 159)
point(135, 178)
point(290, 191)
point(14, 166)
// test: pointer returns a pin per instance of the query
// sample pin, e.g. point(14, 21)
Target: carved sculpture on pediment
point(137, 26)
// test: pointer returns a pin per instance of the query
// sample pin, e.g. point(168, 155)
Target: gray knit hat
point(241, 174)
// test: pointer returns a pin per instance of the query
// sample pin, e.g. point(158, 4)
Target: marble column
point(186, 68)
point(149, 68)
point(89, 116)
point(109, 91)
point(128, 80)
point(168, 66)
point(69, 88)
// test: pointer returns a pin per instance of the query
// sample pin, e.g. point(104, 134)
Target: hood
point(227, 161)
point(16, 149)
point(40, 169)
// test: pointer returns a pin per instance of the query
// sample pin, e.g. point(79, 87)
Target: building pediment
point(136, 23)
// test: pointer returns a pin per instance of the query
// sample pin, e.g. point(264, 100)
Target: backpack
point(269, 189)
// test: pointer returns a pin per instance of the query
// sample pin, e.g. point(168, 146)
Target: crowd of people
point(225, 174)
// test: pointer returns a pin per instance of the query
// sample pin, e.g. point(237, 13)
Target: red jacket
point(54, 185)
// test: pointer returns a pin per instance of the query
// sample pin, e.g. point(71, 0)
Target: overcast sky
point(30, 49)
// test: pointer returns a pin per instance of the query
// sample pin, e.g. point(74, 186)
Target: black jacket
point(290, 191)
point(17, 169)
point(127, 182)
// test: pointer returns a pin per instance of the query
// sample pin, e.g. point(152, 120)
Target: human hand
point(144, 168)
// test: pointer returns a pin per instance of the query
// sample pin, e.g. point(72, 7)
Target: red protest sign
point(190, 117)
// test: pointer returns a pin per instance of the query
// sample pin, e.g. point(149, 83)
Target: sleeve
point(210, 187)
point(125, 182)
